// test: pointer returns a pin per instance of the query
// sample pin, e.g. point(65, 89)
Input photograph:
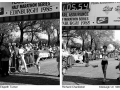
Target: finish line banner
point(26, 8)
point(90, 13)
point(76, 21)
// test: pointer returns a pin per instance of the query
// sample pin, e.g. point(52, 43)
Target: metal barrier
point(29, 59)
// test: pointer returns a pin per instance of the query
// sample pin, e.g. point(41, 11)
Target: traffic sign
point(27, 8)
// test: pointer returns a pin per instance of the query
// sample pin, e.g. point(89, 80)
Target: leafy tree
point(97, 38)
point(4, 32)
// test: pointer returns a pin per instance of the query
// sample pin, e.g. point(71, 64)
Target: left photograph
point(29, 43)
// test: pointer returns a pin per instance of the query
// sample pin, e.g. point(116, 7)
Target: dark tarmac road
point(48, 75)
point(81, 75)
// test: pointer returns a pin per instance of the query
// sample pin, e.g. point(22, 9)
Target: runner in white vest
point(21, 52)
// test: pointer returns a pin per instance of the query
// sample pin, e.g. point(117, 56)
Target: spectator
point(21, 52)
point(5, 55)
point(17, 57)
point(51, 52)
point(86, 58)
point(58, 60)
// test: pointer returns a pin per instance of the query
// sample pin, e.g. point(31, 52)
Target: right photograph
point(91, 43)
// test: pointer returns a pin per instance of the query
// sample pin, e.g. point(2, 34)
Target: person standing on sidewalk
point(16, 51)
point(58, 60)
point(5, 55)
point(86, 58)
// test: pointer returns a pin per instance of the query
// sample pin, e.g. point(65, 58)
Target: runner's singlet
point(104, 59)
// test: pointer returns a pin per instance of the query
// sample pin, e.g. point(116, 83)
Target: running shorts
point(104, 62)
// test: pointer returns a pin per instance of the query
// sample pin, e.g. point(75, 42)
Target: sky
point(117, 35)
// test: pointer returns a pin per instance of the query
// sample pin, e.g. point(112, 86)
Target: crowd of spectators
point(20, 56)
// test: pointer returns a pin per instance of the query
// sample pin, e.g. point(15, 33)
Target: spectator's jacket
point(17, 52)
point(58, 56)
point(86, 55)
point(5, 54)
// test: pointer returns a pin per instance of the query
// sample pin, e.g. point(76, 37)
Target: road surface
point(81, 75)
point(48, 75)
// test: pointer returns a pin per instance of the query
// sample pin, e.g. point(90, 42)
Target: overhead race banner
point(26, 8)
point(76, 14)
point(91, 13)
point(76, 21)
point(106, 13)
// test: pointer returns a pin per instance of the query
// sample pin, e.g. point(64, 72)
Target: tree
point(84, 36)
point(4, 32)
point(29, 28)
point(104, 35)
point(22, 26)
point(93, 37)
point(49, 26)
point(56, 25)
point(100, 37)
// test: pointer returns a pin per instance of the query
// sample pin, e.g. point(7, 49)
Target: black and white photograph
point(29, 43)
point(59, 44)
point(90, 43)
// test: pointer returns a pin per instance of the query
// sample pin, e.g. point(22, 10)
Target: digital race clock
point(75, 6)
